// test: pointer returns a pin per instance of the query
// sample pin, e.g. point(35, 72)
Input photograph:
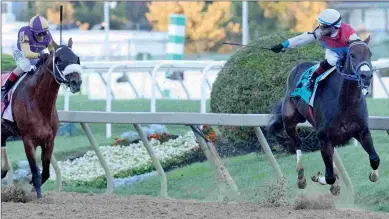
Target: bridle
point(60, 77)
point(353, 71)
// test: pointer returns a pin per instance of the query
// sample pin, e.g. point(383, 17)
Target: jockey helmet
point(329, 17)
point(329, 21)
point(39, 25)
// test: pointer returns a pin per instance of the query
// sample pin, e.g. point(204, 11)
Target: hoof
point(3, 173)
point(373, 177)
point(335, 190)
point(315, 178)
point(29, 177)
point(330, 180)
point(302, 183)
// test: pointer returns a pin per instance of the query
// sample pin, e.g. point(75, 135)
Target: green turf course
point(250, 172)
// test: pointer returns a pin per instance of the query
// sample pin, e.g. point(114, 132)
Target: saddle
point(302, 92)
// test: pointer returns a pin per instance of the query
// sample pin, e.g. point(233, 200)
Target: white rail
point(154, 67)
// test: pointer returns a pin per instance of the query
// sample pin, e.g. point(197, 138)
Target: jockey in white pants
point(32, 40)
point(333, 35)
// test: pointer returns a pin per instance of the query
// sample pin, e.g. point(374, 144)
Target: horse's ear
point(70, 43)
point(367, 40)
point(55, 45)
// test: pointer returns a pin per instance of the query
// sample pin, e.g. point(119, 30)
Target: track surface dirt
point(77, 205)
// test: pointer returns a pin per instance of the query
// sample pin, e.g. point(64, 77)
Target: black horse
point(339, 112)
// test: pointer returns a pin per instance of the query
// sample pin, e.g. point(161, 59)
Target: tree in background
point(207, 24)
point(120, 17)
point(136, 16)
point(92, 13)
point(296, 16)
point(259, 25)
point(83, 14)
point(53, 13)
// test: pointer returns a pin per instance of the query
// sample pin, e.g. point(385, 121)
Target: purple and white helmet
point(39, 25)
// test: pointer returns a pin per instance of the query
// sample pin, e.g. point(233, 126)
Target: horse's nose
point(75, 84)
point(366, 75)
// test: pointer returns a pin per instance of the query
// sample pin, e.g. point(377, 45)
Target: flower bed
point(128, 160)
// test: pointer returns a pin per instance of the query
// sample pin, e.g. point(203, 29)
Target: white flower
point(123, 158)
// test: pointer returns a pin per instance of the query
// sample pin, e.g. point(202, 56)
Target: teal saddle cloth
point(301, 90)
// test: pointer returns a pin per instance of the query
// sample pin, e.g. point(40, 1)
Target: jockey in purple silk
point(32, 40)
point(332, 34)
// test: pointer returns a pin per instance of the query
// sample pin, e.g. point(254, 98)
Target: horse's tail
point(276, 124)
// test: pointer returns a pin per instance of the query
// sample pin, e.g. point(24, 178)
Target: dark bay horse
point(339, 112)
point(33, 108)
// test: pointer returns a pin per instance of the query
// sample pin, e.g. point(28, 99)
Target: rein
point(59, 79)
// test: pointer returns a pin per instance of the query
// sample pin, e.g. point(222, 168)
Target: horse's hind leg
point(291, 118)
point(5, 167)
point(367, 144)
point(47, 151)
point(36, 176)
point(4, 157)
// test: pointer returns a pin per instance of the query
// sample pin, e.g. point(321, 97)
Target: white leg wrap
point(298, 154)
point(322, 180)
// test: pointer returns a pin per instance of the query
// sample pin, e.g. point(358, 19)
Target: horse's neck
point(46, 89)
point(350, 95)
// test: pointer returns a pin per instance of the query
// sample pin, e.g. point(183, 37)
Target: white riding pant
point(23, 64)
point(331, 57)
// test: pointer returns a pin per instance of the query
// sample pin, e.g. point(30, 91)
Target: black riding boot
point(6, 87)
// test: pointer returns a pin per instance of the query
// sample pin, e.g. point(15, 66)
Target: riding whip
point(60, 24)
point(237, 44)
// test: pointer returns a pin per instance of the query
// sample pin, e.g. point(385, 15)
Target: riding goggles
point(41, 34)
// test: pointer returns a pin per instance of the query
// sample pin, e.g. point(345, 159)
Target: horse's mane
point(46, 57)
point(354, 41)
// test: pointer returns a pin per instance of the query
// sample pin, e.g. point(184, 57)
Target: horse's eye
point(352, 56)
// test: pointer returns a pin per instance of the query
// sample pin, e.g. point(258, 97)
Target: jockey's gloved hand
point(41, 59)
point(44, 55)
point(277, 48)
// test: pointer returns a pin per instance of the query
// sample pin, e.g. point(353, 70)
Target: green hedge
point(254, 79)
point(7, 63)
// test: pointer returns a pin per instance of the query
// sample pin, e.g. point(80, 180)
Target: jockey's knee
point(331, 60)
point(18, 71)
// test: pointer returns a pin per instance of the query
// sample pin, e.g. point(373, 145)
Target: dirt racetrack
point(76, 205)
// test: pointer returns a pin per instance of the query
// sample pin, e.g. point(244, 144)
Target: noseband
point(352, 73)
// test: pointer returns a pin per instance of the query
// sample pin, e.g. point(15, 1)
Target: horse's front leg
point(47, 151)
point(335, 188)
point(36, 176)
point(367, 144)
point(5, 164)
point(331, 178)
